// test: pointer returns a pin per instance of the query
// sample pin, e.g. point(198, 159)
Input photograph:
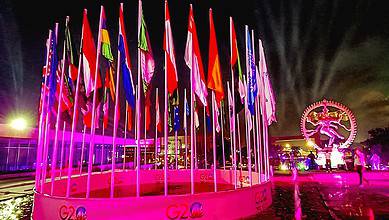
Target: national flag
point(266, 90)
point(52, 74)
point(158, 120)
point(125, 62)
point(129, 117)
point(251, 75)
point(246, 109)
point(168, 46)
point(105, 110)
point(176, 118)
point(208, 119)
point(215, 82)
point(196, 119)
point(89, 58)
point(230, 109)
point(186, 112)
point(146, 55)
point(105, 42)
point(72, 68)
point(216, 116)
point(192, 53)
point(235, 60)
point(147, 110)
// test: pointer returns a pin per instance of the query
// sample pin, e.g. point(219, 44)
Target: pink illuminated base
point(227, 203)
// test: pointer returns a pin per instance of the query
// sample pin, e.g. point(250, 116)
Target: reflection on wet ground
point(317, 201)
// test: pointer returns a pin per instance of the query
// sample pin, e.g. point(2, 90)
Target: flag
point(235, 60)
point(186, 112)
point(125, 62)
point(216, 116)
point(147, 111)
point(266, 90)
point(196, 119)
point(105, 110)
point(89, 57)
point(214, 75)
point(192, 52)
point(105, 42)
point(251, 75)
point(129, 117)
point(72, 68)
point(246, 109)
point(158, 120)
point(168, 46)
point(230, 109)
point(146, 55)
point(208, 119)
point(52, 75)
point(176, 118)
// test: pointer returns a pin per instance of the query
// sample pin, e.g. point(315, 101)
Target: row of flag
point(91, 69)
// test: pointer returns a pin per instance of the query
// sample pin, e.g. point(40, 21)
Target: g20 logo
point(70, 213)
point(184, 211)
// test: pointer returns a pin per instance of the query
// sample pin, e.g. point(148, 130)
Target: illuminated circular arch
point(329, 118)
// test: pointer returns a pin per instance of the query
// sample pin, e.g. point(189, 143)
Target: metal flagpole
point(156, 129)
point(233, 137)
point(55, 148)
point(186, 131)
point(82, 149)
point(125, 135)
point(138, 110)
point(115, 121)
point(222, 125)
point(254, 144)
point(62, 150)
point(102, 146)
point(205, 141)
point(41, 120)
point(74, 121)
point(176, 148)
point(214, 140)
point(136, 129)
point(240, 147)
point(191, 126)
point(93, 123)
point(232, 130)
point(144, 141)
point(259, 138)
point(165, 125)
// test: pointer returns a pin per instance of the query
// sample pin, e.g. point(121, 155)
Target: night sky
point(337, 50)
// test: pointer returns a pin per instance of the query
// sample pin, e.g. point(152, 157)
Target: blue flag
point(125, 63)
point(176, 118)
point(53, 62)
point(251, 76)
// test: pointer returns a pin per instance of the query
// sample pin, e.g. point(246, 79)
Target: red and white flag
point(192, 53)
point(168, 46)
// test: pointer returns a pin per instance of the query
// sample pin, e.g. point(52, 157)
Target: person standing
point(328, 161)
point(359, 164)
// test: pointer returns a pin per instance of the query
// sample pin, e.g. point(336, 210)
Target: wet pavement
point(304, 198)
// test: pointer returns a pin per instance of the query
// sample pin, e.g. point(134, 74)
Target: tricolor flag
point(89, 57)
point(168, 46)
point(105, 42)
point(215, 82)
point(125, 62)
point(146, 55)
point(235, 60)
point(192, 53)
point(266, 90)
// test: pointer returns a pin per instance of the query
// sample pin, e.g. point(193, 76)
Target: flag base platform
point(205, 203)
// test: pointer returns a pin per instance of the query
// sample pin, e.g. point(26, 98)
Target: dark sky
point(337, 50)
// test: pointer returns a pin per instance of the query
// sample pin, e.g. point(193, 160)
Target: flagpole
point(233, 138)
point(185, 131)
point(144, 141)
point(205, 141)
point(214, 140)
point(93, 123)
point(221, 118)
point(232, 124)
point(82, 149)
point(136, 128)
point(240, 147)
point(138, 109)
point(176, 148)
point(125, 133)
point(156, 128)
point(41, 118)
point(255, 131)
point(191, 125)
point(62, 150)
point(74, 121)
point(259, 138)
point(102, 148)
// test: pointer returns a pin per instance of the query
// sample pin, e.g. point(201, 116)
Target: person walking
point(359, 165)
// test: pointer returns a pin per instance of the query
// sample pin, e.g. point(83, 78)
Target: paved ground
point(303, 198)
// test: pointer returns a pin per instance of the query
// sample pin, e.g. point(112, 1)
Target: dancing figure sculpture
point(329, 123)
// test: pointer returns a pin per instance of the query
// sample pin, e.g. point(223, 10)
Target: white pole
point(62, 150)
point(125, 135)
point(156, 128)
point(232, 130)
point(233, 137)
point(222, 125)
point(214, 140)
point(165, 126)
point(138, 110)
point(74, 121)
point(82, 149)
point(41, 121)
point(102, 146)
point(186, 132)
point(136, 128)
point(144, 141)
point(191, 127)
point(93, 123)
point(240, 147)
point(176, 148)
point(205, 141)
point(254, 144)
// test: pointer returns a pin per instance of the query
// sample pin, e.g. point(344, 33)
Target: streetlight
point(19, 124)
